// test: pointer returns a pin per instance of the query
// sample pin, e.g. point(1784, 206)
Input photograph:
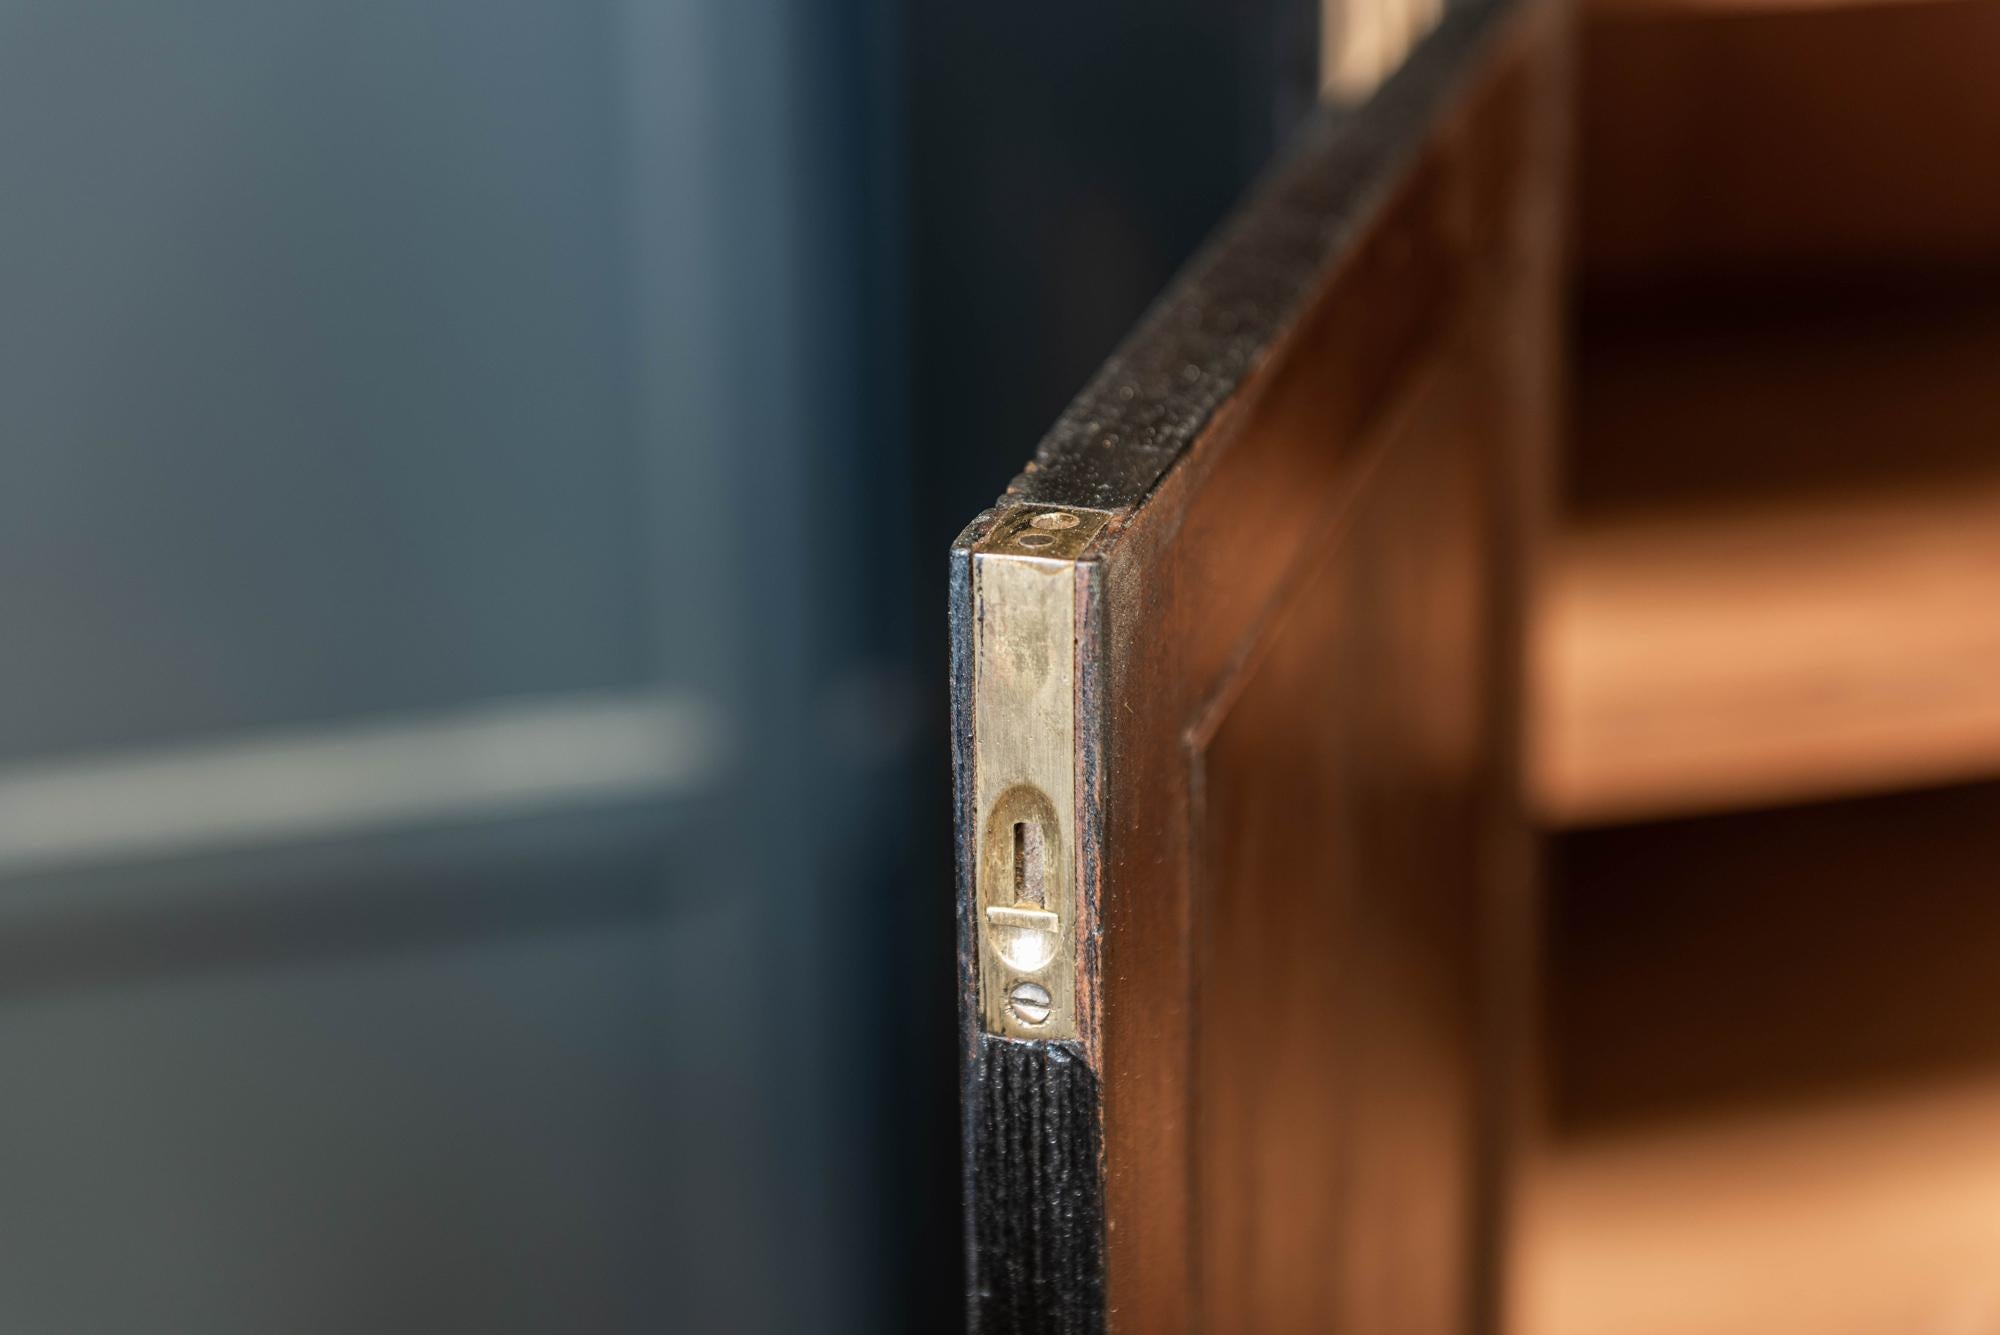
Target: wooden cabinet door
point(1244, 883)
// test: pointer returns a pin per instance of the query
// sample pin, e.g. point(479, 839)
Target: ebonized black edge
point(1035, 1119)
point(965, 821)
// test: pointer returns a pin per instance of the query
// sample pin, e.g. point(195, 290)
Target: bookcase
point(1766, 681)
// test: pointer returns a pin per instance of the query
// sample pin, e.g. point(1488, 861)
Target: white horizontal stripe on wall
point(489, 761)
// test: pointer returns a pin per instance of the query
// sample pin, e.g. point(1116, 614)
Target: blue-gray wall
point(474, 477)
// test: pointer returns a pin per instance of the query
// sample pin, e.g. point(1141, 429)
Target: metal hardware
point(1029, 1003)
point(1024, 769)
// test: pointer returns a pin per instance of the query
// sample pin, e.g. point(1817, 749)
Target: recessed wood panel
point(1337, 912)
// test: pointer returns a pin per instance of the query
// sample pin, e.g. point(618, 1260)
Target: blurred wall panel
point(473, 798)
point(417, 421)
point(315, 363)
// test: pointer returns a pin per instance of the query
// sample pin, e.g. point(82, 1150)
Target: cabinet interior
point(1766, 687)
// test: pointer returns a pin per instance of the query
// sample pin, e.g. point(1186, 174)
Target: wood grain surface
point(1302, 836)
point(1776, 1049)
point(1302, 676)
point(1723, 143)
point(1034, 1119)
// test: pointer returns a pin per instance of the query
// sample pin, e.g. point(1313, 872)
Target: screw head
point(1029, 1003)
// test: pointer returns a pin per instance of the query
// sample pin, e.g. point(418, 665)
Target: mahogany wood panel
point(1299, 683)
point(1226, 572)
point(1305, 661)
point(1336, 922)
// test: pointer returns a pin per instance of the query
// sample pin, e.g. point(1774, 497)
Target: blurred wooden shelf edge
point(1776, 1075)
point(1871, 1215)
point(1779, 575)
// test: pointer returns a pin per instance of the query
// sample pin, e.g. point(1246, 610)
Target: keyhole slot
point(1031, 876)
point(1022, 872)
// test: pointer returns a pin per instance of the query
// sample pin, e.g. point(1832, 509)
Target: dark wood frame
point(1337, 414)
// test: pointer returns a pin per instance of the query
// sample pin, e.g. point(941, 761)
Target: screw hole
point(1054, 520)
point(1035, 540)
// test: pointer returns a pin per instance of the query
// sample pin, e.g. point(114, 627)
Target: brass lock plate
point(1024, 577)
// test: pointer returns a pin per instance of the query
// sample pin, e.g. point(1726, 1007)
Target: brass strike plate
point(1024, 769)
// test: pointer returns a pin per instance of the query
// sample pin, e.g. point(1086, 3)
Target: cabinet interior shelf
point(1777, 577)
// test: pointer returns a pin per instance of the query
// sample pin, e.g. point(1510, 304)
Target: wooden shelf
point(1779, 576)
point(1774, 1043)
point(1879, 1216)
